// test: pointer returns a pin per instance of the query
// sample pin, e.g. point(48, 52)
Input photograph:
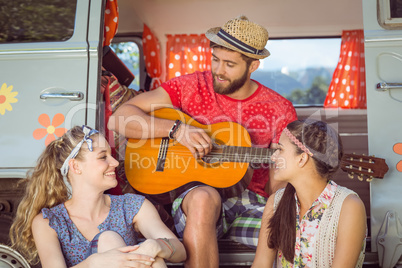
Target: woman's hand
point(159, 263)
point(120, 257)
point(149, 247)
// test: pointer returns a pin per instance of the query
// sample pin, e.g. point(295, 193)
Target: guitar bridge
point(163, 148)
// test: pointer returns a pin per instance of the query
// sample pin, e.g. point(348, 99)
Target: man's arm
point(133, 121)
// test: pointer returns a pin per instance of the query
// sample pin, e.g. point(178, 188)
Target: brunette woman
point(313, 222)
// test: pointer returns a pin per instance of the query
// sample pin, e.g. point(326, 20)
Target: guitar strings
point(187, 152)
point(228, 156)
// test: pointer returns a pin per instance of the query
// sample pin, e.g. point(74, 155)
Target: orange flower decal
point(398, 149)
point(50, 128)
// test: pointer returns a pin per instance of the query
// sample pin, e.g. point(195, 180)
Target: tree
point(315, 94)
point(128, 52)
point(47, 20)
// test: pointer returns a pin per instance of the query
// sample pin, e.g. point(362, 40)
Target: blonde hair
point(44, 188)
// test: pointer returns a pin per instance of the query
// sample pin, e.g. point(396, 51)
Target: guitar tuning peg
point(360, 177)
point(369, 179)
point(351, 175)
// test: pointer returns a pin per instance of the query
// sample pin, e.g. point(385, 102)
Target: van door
point(49, 68)
point(383, 52)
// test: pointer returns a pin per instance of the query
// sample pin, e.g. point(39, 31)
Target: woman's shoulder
point(39, 220)
point(132, 201)
point(351, 201)
point(279, 192)
point(346, 193)
point(42, 223)
point(56, 211)
point(41, 226)
point(276, 198)
point(125, 206)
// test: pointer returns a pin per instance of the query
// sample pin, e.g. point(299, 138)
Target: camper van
point(62, 63)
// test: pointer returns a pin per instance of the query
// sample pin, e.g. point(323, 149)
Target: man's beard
point(233, 86)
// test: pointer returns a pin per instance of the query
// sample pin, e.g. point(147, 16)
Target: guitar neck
point(247, 154)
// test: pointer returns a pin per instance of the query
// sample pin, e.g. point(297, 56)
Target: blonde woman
point(313, 222)
point(66, 220)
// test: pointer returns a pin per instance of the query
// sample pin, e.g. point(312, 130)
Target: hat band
point(237, 43)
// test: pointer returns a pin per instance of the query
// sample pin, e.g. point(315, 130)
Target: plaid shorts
point(244, 214)
point(240, 220)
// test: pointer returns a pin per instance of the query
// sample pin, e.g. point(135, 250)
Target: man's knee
point(202, 200)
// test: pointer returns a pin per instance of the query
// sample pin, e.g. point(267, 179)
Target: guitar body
point(181, 169)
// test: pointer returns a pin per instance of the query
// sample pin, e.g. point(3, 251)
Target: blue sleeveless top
point(74, 245)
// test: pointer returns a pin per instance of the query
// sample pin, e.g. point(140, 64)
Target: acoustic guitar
point(163, 168)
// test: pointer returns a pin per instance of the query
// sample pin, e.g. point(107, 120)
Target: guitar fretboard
point(246, 154)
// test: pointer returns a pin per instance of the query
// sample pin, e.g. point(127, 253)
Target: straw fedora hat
point(241, 35)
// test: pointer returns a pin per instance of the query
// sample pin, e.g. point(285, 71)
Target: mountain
point(284, 83)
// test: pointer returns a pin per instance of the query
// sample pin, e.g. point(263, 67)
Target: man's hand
point(195, 139)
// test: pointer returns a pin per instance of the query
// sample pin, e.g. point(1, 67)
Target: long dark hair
point(325, 144)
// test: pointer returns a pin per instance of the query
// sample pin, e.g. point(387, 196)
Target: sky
point(293, 54)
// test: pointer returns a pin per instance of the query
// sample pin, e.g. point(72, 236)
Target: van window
point(129, 53)
point(300, 69)
point(396, 8)
point(390, 14)
point(37, 21)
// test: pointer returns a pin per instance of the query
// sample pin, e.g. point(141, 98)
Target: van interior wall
point(288, 18)
point(282, 18)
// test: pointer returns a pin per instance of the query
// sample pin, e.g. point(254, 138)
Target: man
point(226, 93)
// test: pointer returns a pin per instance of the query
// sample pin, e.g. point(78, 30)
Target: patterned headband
point(87, 133)
point(297, 142)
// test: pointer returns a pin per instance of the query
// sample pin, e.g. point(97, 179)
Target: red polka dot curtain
point(348, 85)
point(111, 21)
point(152, 57)
point(186, 54)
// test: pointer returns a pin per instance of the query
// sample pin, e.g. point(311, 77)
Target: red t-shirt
point(264, 114)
